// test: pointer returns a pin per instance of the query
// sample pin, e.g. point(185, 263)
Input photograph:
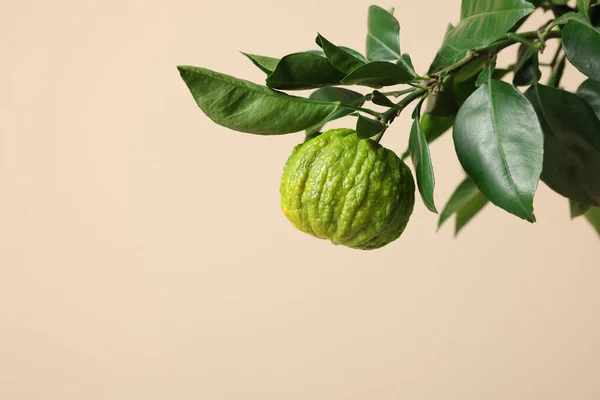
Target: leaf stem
point(389, 116)
point(494, 48)
point(364, 110)
point(399, 92)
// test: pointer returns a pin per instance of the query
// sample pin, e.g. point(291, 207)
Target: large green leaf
point(465, 202)
point(482, 23)
point(421, 159)
point(304, 71)
point(377, 74)
point(244, 106)
point(266, 64)
point(339, 58)
point(499, 143)
point(590, 92)
point(593, 216)
point(335, 94)
point(582, 45)
point(383, 36)
point(571, 143)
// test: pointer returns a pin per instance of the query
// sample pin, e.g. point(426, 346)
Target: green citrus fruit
point(351, 191)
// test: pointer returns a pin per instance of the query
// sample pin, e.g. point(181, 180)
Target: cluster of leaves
point(505, 140)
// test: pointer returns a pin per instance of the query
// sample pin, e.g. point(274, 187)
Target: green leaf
point(482, 23)
point(339, 58)
point(407, 61)
point(354, 53)
point(367, 127)
point(266, 64)
point(464, 81)
point(303, 71)
point(421, 159)
point(383, 37)
point(566, 17)
point(571, 143)
point(246, 107)
point(582, 46)
point(499, 143)
point(584, 7)
point(577, 209)
point(590, 92)
point(335, 94)
point(470, 210)
point(527, 70)
point(560, 2)
point(593, 216)
point(382, 100)
point(378, 74)
point(466, 201)
point(435, 126)
point(487, 73)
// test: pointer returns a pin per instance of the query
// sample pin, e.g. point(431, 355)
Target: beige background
point(143, 254)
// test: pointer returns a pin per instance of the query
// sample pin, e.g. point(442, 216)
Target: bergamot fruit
point(351, 191)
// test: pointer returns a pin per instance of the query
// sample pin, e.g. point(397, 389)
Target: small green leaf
point(527, 70)
point(469, 211)
point(367, 127)
point(584, 7)
point(500, 73)
point(407, 61)
point(582, 45)
point(577, 209)
point(266, 64)
point(421, 158)
point(382, 100)
point(335, 94)
point(464, 81)
point(339, 58)
point(464, 201)
point(482, 23)
point(571, 143)
point(246, 107)
point(560, 2)
point(378, 74)
point(590, 92)
point(593, 216)
point(563, 19)
point(499, 143)
point(487, 73)
point(383, 37)
point(433, 126)
point(303, 71)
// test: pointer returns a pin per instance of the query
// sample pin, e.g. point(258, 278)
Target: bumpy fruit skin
point(351, 191)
